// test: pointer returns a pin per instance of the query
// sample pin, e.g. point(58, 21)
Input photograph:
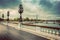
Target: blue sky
point(45, 9)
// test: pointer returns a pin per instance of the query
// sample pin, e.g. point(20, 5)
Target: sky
point(44, 9)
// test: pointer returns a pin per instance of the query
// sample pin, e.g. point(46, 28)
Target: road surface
point(9, 33)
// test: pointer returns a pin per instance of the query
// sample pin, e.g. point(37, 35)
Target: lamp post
point(3, 17)
point(7, 19)
point(8, 16)
point(20, 12)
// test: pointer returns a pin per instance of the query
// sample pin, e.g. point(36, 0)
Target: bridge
point(47, 31)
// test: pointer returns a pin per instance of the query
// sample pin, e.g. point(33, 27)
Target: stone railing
point(50, 30)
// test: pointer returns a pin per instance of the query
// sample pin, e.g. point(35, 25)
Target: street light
point(20, 12)
point(3, 17)
point(8, 16)
point(8, 20)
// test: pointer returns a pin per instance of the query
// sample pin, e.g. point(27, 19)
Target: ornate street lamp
point(3, 16)
point(8, 20)
point(8, 16)
point(20, 12)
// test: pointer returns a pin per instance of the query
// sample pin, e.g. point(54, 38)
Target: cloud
point(9, 3)
point(53, 7)
point(57, 7)
point(46, 5)
point(43, 8)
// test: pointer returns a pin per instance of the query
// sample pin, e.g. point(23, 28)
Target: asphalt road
point(10, 33)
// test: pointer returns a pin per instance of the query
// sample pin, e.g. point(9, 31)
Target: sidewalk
point(45, 35)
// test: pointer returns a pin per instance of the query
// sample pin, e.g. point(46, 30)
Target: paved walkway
point(9, 33)
point(42, 34)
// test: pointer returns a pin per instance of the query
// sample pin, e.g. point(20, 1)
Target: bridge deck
point(10, 33)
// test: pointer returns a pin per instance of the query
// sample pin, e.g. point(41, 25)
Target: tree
point(27, 19)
